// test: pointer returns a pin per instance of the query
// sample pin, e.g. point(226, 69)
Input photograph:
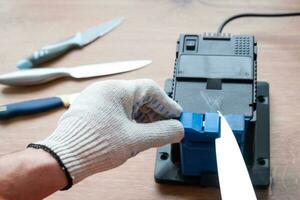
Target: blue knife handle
point(29, 107)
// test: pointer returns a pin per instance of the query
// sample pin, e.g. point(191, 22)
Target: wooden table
point(150, 32)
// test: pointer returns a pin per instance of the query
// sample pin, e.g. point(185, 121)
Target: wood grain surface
point(150, 32)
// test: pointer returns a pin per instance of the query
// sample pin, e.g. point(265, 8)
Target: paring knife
point(234, 180)
point(77, 41)
point(43, 75)
point(35, 106)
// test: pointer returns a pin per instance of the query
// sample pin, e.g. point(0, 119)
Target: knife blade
point(43, 75)
point(78, 40)
point(35, 106)
point(234, 180)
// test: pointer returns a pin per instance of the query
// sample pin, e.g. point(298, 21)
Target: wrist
point(28, 172)
point(38, 160)
point(59, 165)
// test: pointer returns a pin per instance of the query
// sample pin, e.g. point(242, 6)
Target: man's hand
point(108, 123)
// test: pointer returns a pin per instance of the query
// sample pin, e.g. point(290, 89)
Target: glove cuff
point(80, 155)
point(56, 157)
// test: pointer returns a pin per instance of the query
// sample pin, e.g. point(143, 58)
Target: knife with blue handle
point(35, 106)
point(77, 41)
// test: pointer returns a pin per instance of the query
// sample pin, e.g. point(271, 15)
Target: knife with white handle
point(43, 75)
point(35, 106)
point(78, 40)
point(234, 180)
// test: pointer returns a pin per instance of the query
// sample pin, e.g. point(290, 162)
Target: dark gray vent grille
point(242, 45)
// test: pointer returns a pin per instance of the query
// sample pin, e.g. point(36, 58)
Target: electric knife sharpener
point(216, 72)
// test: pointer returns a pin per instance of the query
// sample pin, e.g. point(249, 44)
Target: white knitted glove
point(109, 122)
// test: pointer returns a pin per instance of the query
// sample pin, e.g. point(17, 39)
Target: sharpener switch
point(191, 43)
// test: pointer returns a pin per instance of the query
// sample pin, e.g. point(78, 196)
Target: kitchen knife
point(77, 41)
point(35, 106)
point(43, 75)
point(234, 180)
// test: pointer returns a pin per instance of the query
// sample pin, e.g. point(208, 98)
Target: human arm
point(29, 174)
point(110, 122)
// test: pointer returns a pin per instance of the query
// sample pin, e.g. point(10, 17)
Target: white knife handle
point(32, 76)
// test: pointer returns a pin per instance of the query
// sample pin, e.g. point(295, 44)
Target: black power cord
point(221, 27)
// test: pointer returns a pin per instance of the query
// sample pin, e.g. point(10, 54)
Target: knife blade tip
point(144, 63)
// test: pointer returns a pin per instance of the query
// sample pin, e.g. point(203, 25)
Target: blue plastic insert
point(198, 153)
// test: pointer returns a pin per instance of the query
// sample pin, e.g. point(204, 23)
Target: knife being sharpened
point(234, 180)
point(79, 40)
point(35, 106)
point(43, 75)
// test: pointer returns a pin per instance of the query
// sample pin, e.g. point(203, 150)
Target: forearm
point(30, 174)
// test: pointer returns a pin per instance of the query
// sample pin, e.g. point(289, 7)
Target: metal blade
point(235, 183)
point(98, 31)
point(106, 68)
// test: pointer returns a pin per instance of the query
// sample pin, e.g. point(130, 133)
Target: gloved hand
point(109, 122)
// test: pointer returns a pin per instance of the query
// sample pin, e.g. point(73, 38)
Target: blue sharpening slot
point(198, 153)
